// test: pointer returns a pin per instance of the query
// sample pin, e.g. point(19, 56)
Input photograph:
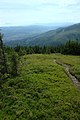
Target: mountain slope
point(23, 32)
point(52, 37)
point(58, 36)
point(42, 91)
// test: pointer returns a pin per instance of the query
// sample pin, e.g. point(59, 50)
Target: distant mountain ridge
point(52, 37)
point(22, 32)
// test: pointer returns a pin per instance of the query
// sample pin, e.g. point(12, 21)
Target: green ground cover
point(42, 91)
point(74, 61)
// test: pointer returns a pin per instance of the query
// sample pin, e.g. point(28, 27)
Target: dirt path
point(67, 70)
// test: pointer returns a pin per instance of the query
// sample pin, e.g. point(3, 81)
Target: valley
point(40, 35)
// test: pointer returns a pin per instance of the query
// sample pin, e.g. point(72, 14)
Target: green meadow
point(42, 90)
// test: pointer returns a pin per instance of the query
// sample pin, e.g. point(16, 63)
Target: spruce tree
point(3, 66)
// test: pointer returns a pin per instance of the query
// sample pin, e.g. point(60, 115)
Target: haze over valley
point(40, 34)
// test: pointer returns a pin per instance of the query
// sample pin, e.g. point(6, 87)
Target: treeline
point(71, 47)
point(9, 57)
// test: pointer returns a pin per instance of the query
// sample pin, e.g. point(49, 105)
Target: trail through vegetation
point(67, 70)
point(42, 91)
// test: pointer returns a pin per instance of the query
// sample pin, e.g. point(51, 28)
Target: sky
point(33, 12)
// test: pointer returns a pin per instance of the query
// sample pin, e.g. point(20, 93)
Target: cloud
point(38, 11)
point(33, 4)
point(66, 3)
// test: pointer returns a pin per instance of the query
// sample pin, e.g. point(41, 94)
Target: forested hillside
point(53, 37)
point(24, 32)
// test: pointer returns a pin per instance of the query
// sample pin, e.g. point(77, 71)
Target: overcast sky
point(28, 12)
